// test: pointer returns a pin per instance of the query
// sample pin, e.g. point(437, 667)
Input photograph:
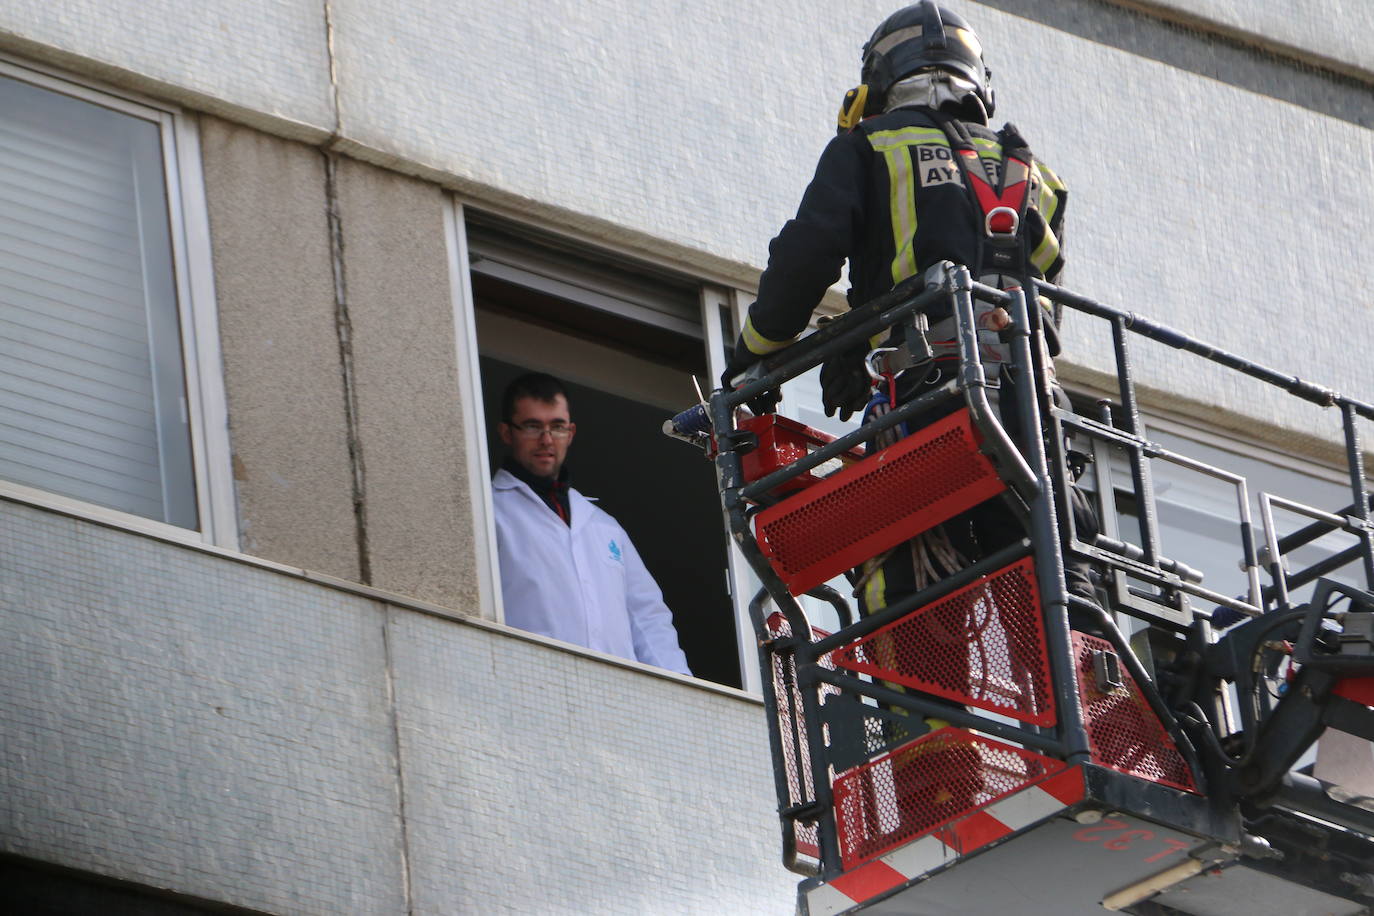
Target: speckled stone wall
point(192, 724)
point(405, 372)
point(278, 333)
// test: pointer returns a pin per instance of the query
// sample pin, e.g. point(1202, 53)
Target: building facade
point(264, 270)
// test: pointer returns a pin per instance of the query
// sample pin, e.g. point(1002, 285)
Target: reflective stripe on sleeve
point(757, 343)
point(1045, 253)
point(1050, 188)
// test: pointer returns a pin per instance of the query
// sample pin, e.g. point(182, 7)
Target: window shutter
point(91, 378)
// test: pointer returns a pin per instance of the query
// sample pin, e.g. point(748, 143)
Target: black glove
point(740, 359)
point(845, 385)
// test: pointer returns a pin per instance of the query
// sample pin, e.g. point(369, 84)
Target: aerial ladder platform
point(995, 744)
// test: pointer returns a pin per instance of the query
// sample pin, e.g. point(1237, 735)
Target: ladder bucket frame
point(1036, 472)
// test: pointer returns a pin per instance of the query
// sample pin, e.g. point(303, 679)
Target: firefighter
point(896, 191)
point(902, 186)
point(890, 193)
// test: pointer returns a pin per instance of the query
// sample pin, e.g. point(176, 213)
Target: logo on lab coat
point(613, 551)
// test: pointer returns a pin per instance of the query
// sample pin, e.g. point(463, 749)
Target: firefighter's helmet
point(920, 37)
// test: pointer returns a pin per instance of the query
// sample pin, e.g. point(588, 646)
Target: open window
point(626, 340)
point(101, 401)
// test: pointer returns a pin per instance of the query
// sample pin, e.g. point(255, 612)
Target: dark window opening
point(627, 367)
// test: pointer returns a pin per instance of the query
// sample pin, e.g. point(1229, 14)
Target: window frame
point(715, 297)
point(473, 411)
point(197, 317)
point(534, 273)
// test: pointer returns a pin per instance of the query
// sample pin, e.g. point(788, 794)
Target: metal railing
point(1144, 583)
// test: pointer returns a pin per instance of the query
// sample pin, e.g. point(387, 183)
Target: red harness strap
point(1001, 211)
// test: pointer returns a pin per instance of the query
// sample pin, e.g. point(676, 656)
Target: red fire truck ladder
point(1070, 778)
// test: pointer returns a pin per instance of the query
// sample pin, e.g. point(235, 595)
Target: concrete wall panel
point(419, 514)
point(691, 130)
point(1238, 227)
point(1334, 30)
point(542, 782)
point(262, 56)
point(694, 124)
point(231, 732)
point(275, 287)
point(194, 724)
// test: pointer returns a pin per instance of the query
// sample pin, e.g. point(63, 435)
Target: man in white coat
point(568, 570)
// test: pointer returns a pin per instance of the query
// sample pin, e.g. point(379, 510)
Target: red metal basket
point(883, 500)
point(1123, 731)
point(983, 645)
point(792, 729)
point(781, 441)
point(924, 784)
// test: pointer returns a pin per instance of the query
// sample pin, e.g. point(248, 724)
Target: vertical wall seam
point(333, 70)
point(343, 322)
point(394, 714)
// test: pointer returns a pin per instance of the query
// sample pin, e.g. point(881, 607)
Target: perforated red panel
point(983, 645)
point(1123, 731)
point(928, 782)
point(891, 496)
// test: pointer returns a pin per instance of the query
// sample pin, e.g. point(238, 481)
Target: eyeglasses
point(533, 429)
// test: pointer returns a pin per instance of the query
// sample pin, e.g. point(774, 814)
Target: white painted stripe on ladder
point(826, 901)
point(915, 859)
point(1024, 808)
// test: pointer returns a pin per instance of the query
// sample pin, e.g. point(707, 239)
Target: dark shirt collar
point(552, 490)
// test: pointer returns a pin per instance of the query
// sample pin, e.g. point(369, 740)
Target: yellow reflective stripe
point(883, 646)
point(875, 591)
point(895, 145)
point(1049, 186)
point(1046, 252)
point(883, 140)
point(903, 207)
point(1049, 200)
point(1048, 203)
point(988, 149)
point(757, 343)
point(1051, 179)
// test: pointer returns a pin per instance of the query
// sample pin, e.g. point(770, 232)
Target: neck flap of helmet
point(941, 90)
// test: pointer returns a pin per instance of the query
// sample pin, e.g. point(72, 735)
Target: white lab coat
point(583, 584)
